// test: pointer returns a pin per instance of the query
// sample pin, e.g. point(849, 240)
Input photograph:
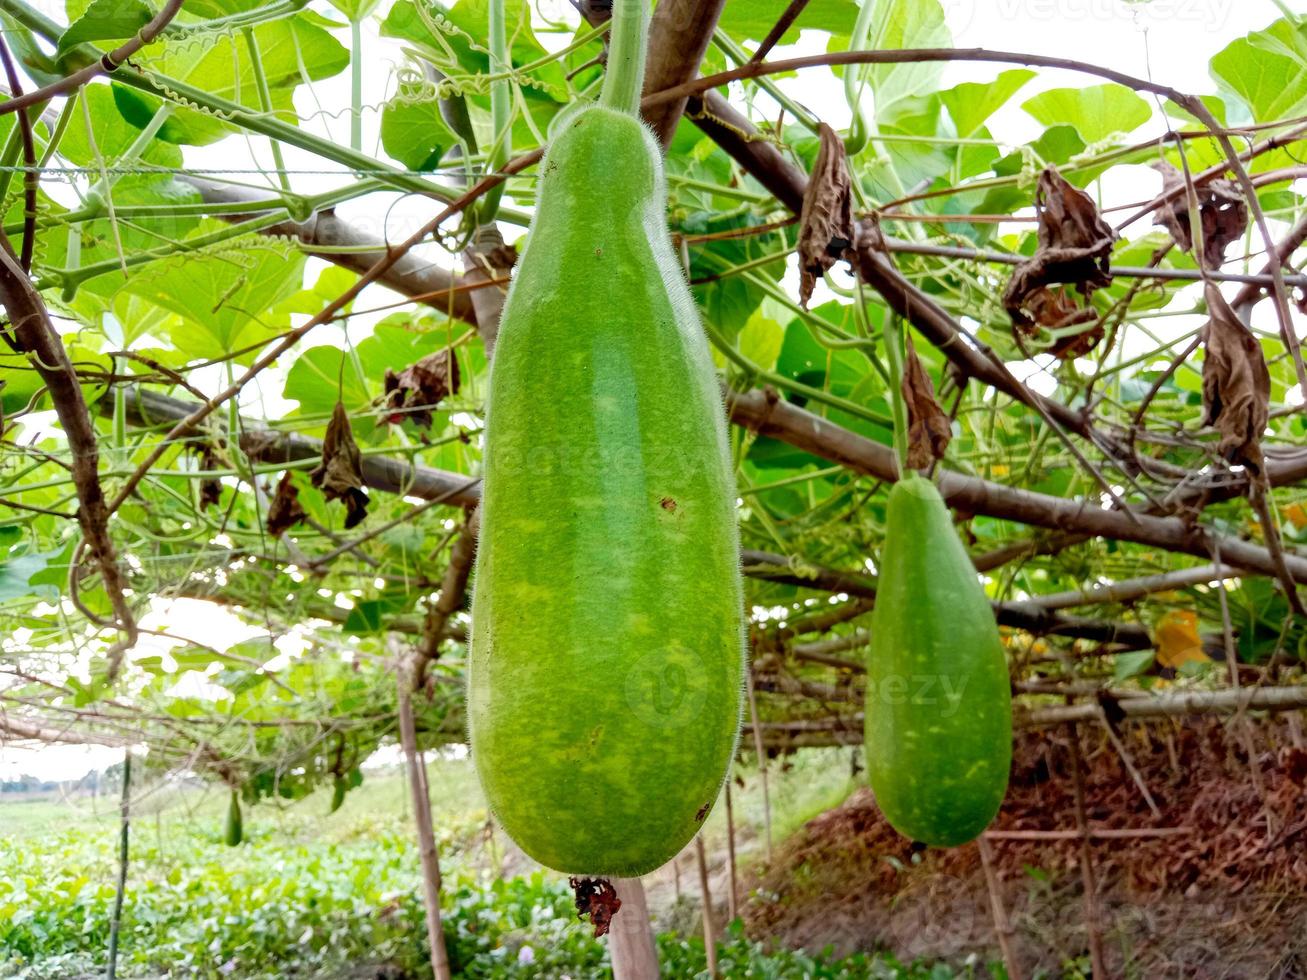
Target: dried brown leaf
point(1236, 383)
point(420, 387)
point(929, 431)
point(210, 487)
point(1222, 211)
point(285, 510)
point(1056, 309)
point(826, 227)
point(340, 474)
point(597, 898)
point(1075, 245)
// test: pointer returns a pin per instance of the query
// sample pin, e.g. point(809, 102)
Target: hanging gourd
point(607, 617)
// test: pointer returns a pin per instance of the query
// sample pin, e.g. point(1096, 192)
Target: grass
point(310, 893)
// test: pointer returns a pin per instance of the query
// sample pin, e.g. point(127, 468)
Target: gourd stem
point(626, 50)
point(898, 405)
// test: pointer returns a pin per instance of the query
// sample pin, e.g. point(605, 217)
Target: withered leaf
point(1236, 383)
point(597, 898)
point(1222, 211)
point(1057, 310)
point(1075, 245)
point(210, 487)
point(421, 386)
point(826, 227)
point(928, 427)
point(340, 474)
point(285, 511)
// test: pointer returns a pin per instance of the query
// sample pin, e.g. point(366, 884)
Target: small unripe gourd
point(939, 708)
point(234, 830)
point(607, 617)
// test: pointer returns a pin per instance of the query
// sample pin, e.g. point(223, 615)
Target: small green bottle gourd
point(234, 830)
point(938, 716)
point(606, 662)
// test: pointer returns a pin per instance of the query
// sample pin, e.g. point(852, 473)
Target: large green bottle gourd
point(607, 615)
point(939, 710)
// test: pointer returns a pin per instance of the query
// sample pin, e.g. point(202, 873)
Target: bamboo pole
point(426, 835)
point(631, 946)
point(1002, 924)
point(1093, 926)
point(124, 808)
point(732, 894)
point(762, 762)
point(709, 931)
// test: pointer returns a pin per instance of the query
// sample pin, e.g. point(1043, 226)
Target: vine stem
point(898, 406)
point(626, 54)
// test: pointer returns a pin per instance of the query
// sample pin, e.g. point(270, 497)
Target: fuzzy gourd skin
point(607, 618)
point(939, 708)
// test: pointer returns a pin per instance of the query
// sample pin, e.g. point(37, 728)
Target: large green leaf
point(754, 20)
point(414, 133)
point(1266, 71)
point(292, 51)
point(463, 30)
point(322, 375)
point(106, 19)
point(903, 24)
point(1097, 111)
point(972, 103)
point(225, 300)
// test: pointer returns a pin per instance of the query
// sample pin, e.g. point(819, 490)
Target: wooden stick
point(1129, 763)
point(426, 835)
point(1095, 833)
point(1096, 959)
point(732, 895)
point(762, 762)
point(1002, 924)
point(709, 933)
point(631, 945)
point(115, 923)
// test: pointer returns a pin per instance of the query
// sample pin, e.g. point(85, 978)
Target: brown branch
point(1244, 299)
point(762, 412)
point(787, 17)
point(35, 335)
point(678, 37)
point(453, 594)
point(106, 64)
point(30, 178)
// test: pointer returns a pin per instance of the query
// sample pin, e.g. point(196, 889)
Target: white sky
point(1169, 40)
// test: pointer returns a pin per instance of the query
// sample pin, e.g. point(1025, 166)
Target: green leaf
point(414, 133)
point(1132, 664)
point(753, 20)
point(395, 344)
point(355, 10)
point(106, 19)
point(1266, 71)
point(292, 51)
point(16, 576)
point(904, 24)
point(463, 33)
point(1097, 111)
point(224, 300)
point(972, 103)
point(320, 376)
point(760, 340)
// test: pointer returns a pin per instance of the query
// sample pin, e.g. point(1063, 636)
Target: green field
point(333, 896)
